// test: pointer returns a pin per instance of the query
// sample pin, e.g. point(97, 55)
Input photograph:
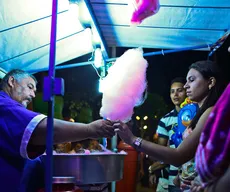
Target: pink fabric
point(144, 9)
point(213, 152)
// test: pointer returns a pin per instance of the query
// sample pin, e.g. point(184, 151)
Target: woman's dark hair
point(208, 69)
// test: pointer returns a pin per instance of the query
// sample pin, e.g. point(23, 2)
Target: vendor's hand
point(124, 132)
point(101, 128)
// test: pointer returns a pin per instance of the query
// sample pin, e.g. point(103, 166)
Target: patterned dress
point(213, 152)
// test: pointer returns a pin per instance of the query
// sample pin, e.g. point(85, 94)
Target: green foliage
point(80, 106)
point(79, 109)
point(154, 105)
point(42, 107)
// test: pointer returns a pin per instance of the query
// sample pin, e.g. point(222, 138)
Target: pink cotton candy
point(124, 86)
point(144, 9)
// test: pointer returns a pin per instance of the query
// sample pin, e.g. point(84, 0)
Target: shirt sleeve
point(161, 129)
point(21, 123)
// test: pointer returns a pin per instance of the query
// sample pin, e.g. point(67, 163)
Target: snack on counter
point(63, 147)
point(86, 146)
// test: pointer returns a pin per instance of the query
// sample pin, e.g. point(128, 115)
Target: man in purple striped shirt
point(23, 132)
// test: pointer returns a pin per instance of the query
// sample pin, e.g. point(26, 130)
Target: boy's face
point(177, 93)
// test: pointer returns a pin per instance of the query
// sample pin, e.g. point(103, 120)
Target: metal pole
point(162, 52)
point(114, 138)
point(49, 138)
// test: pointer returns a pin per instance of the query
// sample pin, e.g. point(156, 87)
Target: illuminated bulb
point(155, 116)
point(145, 127)
point(98, 58)
point(138, 118)
point(101, 85)
point(145, 117)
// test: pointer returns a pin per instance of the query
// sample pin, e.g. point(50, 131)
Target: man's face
point(23, 90)
point(177, 93)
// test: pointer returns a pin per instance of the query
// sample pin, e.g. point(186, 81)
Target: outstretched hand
point(124, 132)
point(101, 128)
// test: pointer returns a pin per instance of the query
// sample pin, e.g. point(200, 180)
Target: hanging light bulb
point(98, 57)
point(101, 85)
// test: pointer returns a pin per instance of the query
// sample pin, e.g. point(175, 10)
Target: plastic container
point(128, 183)
point(62, 184)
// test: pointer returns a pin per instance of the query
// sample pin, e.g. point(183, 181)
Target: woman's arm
point(185, 152)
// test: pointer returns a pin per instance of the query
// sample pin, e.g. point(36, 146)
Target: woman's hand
point(124, 132)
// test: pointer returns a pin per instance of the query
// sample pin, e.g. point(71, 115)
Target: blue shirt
point(16, 127)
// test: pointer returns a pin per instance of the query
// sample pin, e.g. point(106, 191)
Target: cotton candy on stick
point(124, 86)
point(144, 9)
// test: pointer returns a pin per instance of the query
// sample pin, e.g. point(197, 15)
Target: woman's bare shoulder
point(203, 118)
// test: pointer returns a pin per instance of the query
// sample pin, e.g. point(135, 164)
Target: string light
point(145, 117)
point(138, 118)
point(98, 57)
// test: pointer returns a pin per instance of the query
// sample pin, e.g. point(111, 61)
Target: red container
point(128, 183)
point(62, 184)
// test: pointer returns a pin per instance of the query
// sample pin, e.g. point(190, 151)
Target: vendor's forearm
point(63, 131)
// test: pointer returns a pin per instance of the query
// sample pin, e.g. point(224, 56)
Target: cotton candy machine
point(92, 168)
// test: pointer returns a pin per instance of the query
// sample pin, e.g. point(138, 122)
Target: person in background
point(204, 85)
point(145, 162)
point(23, 132)
point(165, 132)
